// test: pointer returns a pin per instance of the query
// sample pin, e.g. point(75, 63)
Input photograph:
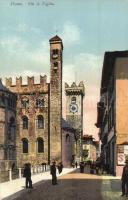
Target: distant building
point(90, 148)
point(112, 117)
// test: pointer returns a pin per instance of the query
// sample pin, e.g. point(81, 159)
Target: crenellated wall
point(30, 81)
point(20, 87)
point(74, 88)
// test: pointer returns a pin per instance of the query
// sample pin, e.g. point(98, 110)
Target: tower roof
point(55, 38)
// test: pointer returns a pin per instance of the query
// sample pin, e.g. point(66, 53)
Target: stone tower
point(74, 111)
point(56, 49)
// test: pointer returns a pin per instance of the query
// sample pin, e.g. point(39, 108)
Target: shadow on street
point(71, 186)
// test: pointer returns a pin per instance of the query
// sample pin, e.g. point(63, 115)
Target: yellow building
point(112, 110)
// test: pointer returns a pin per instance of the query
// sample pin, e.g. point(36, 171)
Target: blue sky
point(88, 28)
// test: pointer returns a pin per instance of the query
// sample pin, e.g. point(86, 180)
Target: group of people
point(53, 172)
point(82, 166)
point(74, 164)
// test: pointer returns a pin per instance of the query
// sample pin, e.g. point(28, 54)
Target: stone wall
point(68, 147)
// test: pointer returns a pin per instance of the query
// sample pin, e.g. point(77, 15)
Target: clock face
point(73, 108)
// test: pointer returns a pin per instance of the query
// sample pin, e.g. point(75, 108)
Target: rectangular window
point(39, 103)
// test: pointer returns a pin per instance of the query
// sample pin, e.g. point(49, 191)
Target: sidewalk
point(18, 185)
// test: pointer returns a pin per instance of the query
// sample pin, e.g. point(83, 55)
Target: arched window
point(12, 121)
point(11, 129)
point(25, 145)
point(40, 122)
point(73, 99)
point(67, 138)
point(3, 98)
point(55, 65)
point(55, 53)
point(25, 122)
point(40, 145)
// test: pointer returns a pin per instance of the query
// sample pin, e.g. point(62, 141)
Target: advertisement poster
point(52, 54)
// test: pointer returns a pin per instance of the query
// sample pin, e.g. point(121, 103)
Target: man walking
point(27, 175)
point(53, 173)
point(125, 180)
point(76, 164)
point(60, 167)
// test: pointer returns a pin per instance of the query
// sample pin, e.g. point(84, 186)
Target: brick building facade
point(90, 148)
point(32, 120)
point(112, 110)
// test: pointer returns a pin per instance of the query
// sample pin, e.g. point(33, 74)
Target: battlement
point(30, 81)
point(75, 89)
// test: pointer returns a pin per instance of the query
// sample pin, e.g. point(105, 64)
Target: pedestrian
point(53, 173)
point(76, 164)
point(125, 180)
point(60, 167)
point(92, 168)
point(81, 167)
point(97, 166)
point(27, 175)
point(73, 164)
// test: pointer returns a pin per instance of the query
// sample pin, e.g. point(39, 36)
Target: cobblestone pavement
point(75, 186)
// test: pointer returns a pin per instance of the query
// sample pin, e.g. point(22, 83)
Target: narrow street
point(75, 186)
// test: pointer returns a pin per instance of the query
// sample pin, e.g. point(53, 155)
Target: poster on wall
point(122, 153)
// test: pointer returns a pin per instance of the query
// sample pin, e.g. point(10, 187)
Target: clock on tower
point(73, 108)
point(74, 111)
